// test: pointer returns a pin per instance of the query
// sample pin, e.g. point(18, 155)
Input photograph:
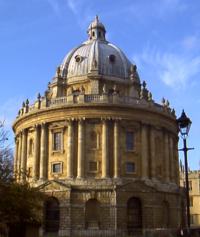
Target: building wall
point(194, 193)
point(158, 163)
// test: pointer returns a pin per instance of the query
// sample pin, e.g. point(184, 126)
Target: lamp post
point(184, 124)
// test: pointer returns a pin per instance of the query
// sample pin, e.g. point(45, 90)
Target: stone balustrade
point(96, 99)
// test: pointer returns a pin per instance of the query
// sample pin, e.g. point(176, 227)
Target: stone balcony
point(95, 99)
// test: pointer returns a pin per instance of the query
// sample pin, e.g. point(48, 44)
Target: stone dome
point(96, 54)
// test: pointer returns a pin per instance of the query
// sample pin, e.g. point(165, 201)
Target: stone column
point(43, 152)
point(19, 157)
point(166, 156)
point(70, 148)
point(116, 150)
point(144, 151)
point(105, 161)
point(24, 156)
point(152, 151)
point(36, 153)
point(176, 160)
point(171, 160)
point(16, 156)
point(81, 150)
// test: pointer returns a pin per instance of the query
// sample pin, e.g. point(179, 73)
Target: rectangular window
point(57, 136)
point(191, 201)
point(56, 167)
point(130, 167)
point(129, 141)
point(93, 166)
point(190, 185)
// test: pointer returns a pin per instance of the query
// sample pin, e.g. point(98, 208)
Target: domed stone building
point(100, 147)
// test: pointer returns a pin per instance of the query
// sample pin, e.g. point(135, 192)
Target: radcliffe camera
point(95, 153)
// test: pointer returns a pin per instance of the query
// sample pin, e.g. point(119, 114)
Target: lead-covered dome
point(96, 54)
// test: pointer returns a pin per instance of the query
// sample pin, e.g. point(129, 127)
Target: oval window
point(78, 58)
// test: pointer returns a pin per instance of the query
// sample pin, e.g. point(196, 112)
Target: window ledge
point(93, 172)
point(130, 173)
point(57, 151)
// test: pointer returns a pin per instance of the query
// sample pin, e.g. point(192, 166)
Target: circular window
point(78, 58)
point(112, 58)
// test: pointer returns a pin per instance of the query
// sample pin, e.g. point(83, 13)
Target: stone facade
point(100, 147)
point(194, 193)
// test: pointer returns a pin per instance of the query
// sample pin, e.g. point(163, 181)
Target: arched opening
point(52, 215)
point(92, 214)
point(165, 212)
point(134, 215)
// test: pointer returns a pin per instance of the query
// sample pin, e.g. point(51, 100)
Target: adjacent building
point(194, 193)
point(99, 145)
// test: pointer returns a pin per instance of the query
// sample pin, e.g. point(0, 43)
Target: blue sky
point(161, 36)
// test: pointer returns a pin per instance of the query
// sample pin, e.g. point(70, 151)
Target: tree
point(6, 156)
point(20, 204)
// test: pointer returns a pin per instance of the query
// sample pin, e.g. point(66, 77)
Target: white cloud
point(175, 70)
point(191, 42)
point(154, 9)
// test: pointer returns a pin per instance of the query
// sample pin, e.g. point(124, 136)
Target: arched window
point(52, 215)
point(92, 214)
point(30, 151)
point(134, 215)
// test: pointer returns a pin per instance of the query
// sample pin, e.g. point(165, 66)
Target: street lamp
point(184, 124)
